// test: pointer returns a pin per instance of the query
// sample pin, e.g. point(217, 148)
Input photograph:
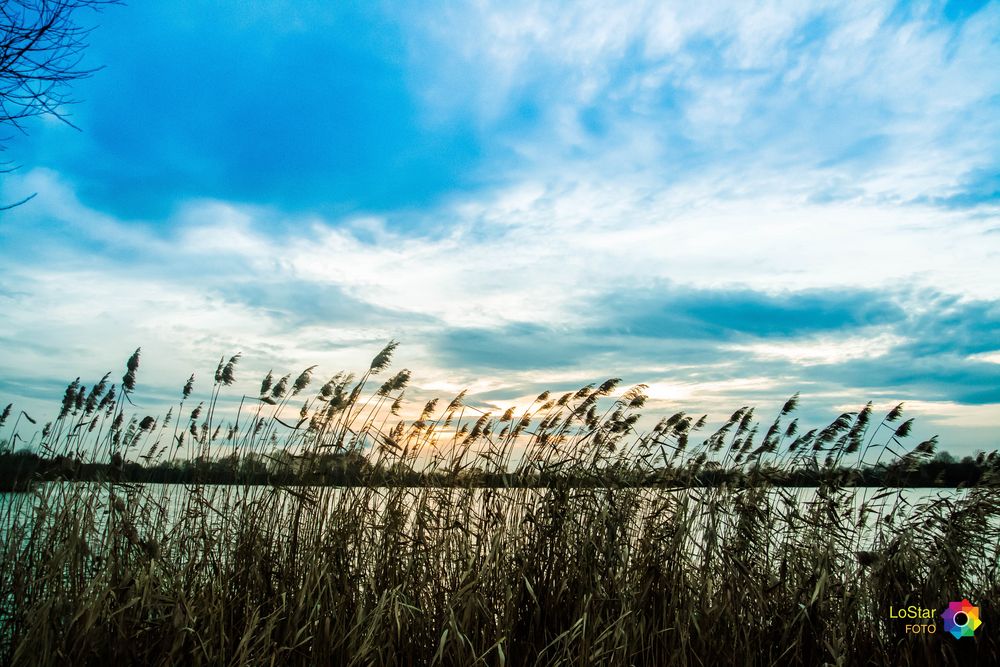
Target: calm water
point(165, 506)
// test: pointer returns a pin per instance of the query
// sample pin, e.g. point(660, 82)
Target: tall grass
point(738, 573)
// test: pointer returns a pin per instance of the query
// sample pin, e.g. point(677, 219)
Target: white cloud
point(537, 251)
point(989, 357)
point(768, 88)
point(946, 414)
point(703, 393)
point(823, 349)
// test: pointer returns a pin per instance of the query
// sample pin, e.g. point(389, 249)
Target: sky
point(729, 203)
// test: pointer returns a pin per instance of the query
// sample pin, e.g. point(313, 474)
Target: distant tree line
point(19, 469)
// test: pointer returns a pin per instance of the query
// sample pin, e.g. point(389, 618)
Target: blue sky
point(728, 203)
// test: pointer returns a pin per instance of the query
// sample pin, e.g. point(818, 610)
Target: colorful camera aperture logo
point(961, 619)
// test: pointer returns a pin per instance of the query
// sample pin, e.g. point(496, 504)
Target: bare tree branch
point(41, 55)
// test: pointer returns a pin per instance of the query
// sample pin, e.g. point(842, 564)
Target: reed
point(567, 573)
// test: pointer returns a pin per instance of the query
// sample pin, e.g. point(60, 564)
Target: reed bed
point(560, 573)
